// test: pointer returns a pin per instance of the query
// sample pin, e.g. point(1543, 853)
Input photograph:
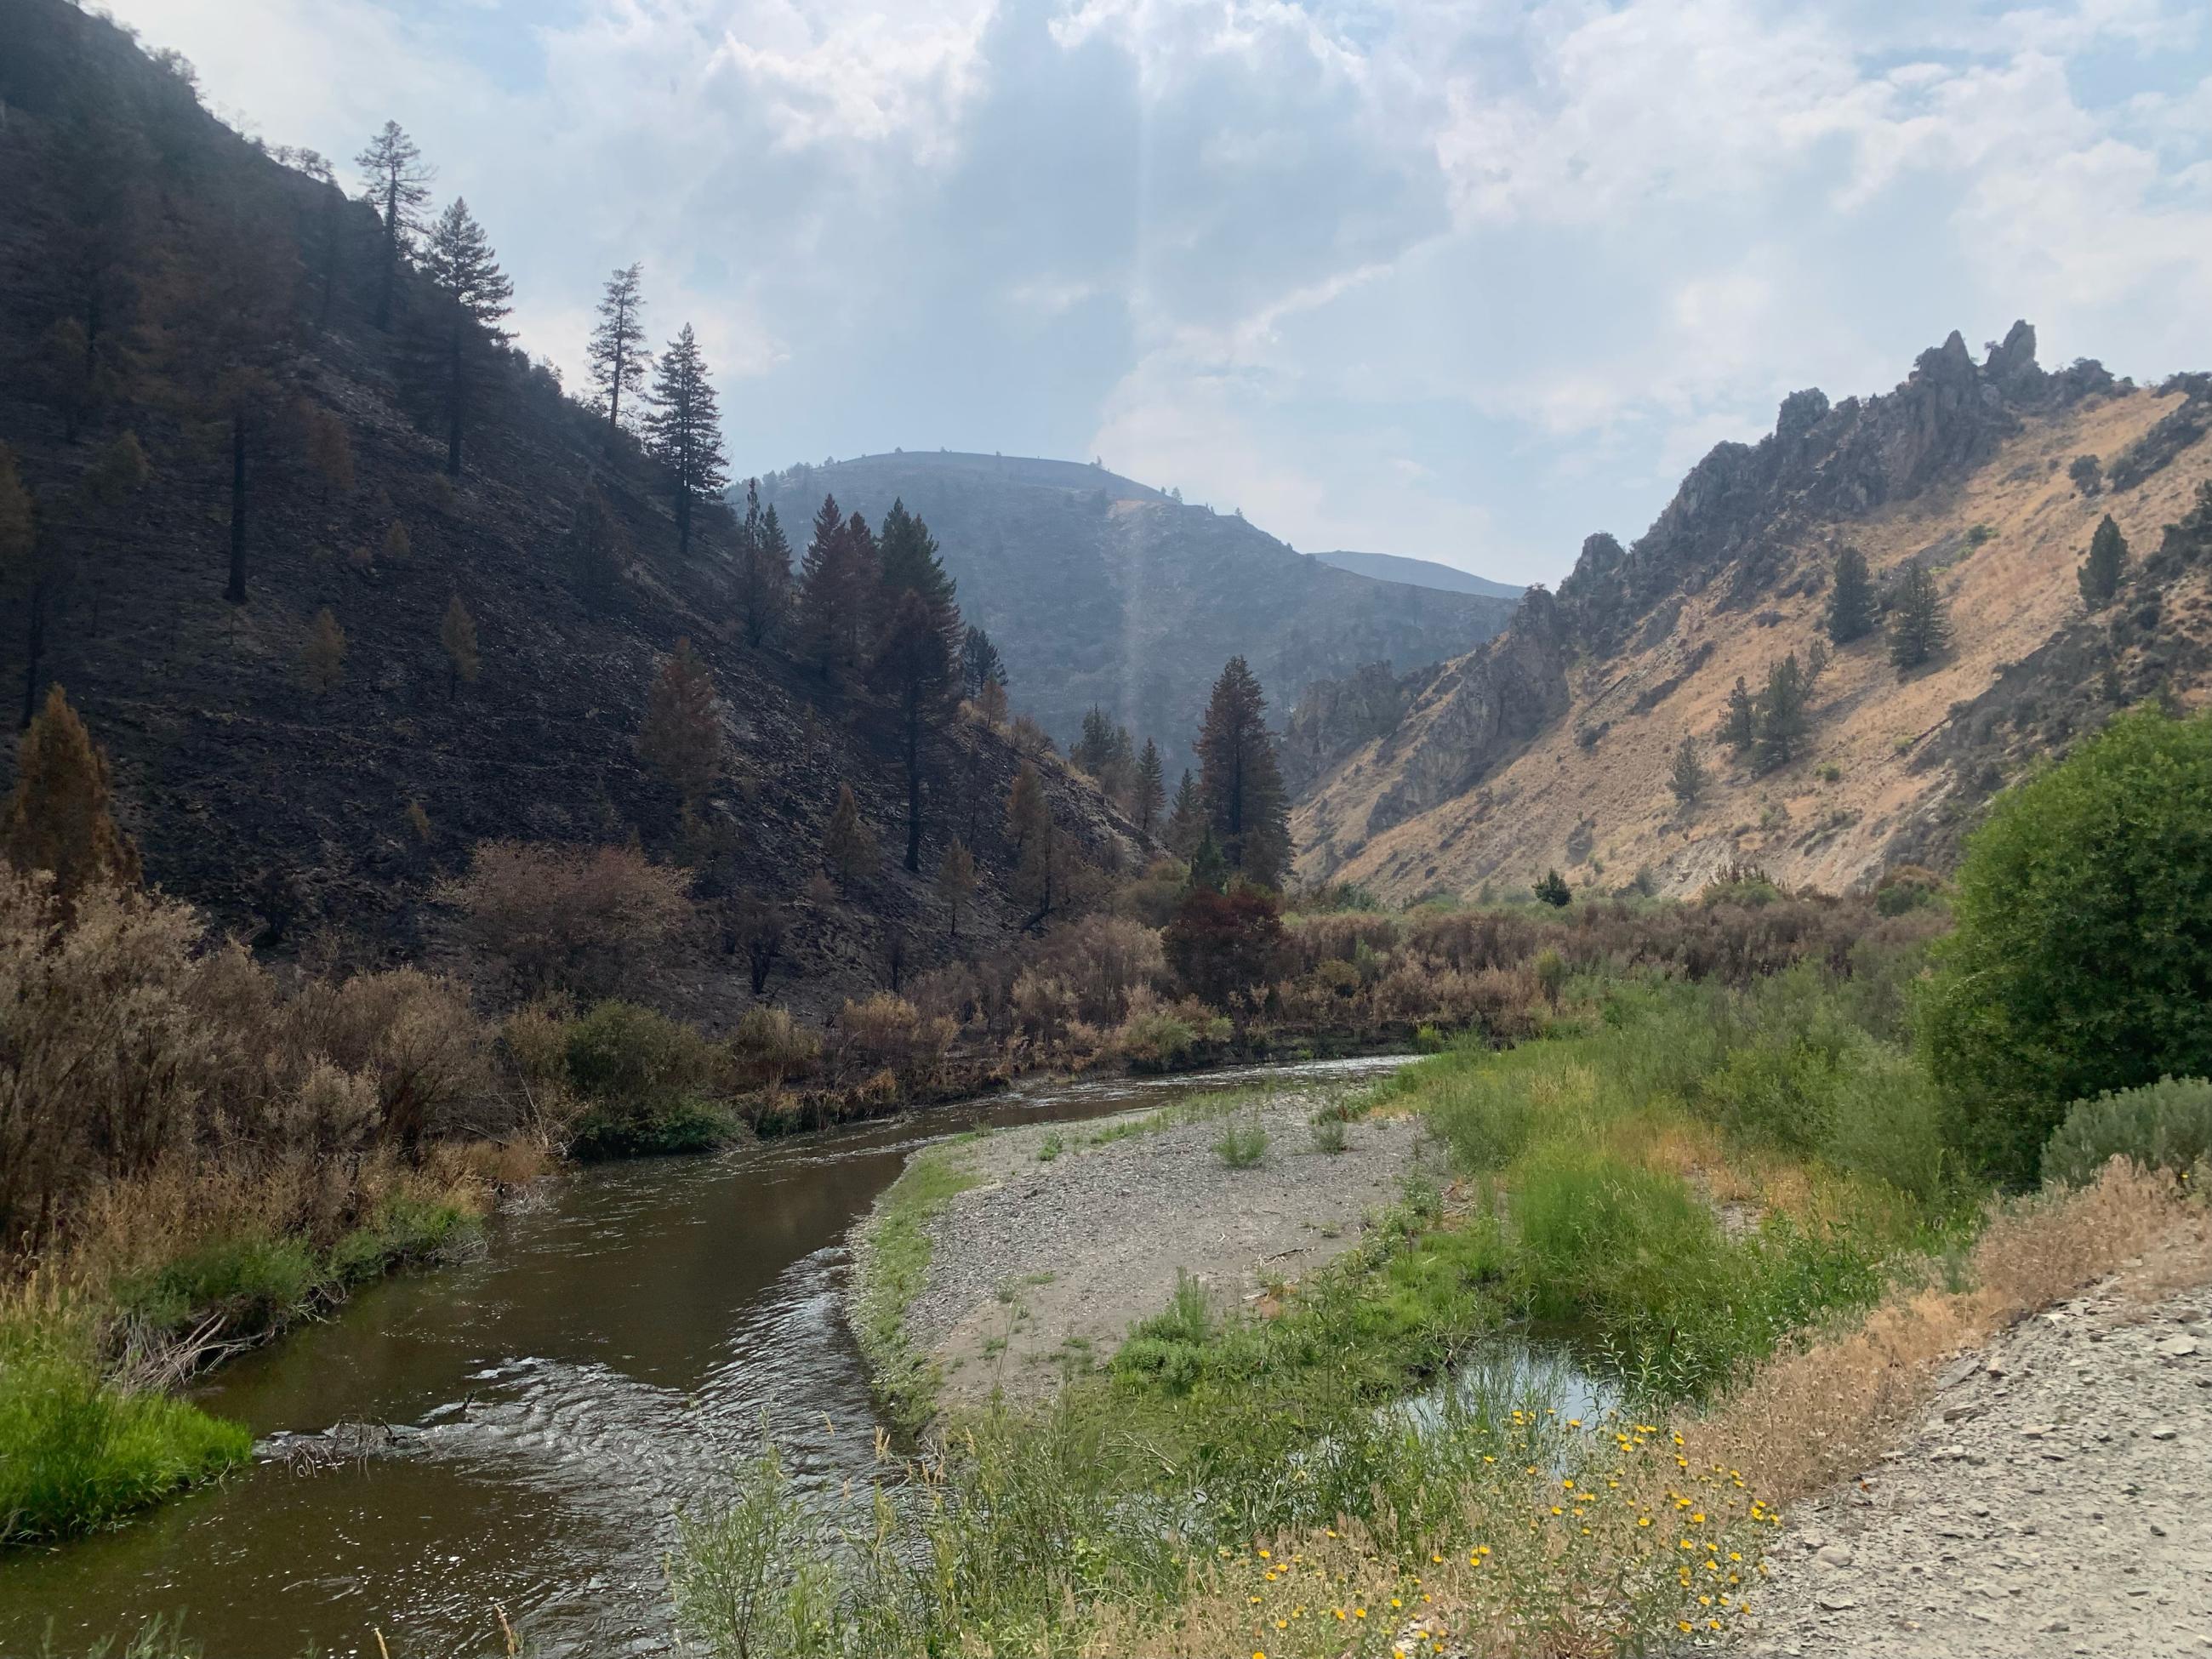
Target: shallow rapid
point(520, 1428)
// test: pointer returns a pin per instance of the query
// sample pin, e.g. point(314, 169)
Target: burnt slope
point(271, 805)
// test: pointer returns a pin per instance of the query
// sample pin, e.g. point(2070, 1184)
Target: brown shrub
point(1338, 937)
point(126, 1049)
point(1100, 960)
point(771, 1047)
point(584, 919)
point(886, 1032)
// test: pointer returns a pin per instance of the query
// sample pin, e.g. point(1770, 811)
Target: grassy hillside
point(1555, 746)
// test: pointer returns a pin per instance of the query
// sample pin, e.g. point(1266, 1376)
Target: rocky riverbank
point(2055, 1500)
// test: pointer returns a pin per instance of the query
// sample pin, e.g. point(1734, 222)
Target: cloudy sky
point(1454, 278)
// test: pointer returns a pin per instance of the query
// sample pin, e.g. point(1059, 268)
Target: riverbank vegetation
point(1732, 1169)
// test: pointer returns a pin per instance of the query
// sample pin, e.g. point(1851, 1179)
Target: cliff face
point(1553, 745)
point(287, 812)
point(1100, 590)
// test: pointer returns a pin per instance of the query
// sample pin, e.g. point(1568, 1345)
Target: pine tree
point(458, 634)
point(323, 658)
point(1246, 805)
point(1093, 749)
point(991, 703)
point(330, 449)
point(1151, 798)
point(475, 295)
point(394, 179)
point(57, 817)
point(2100, 576)
point(1553, 890)
point(763, 570)
point(907, 563)
point(1850, 600)
point(1920, 626)
point(1033, 836)
point(1781, 719)
point(955, 882)
point(1688, 780)
point(682, 738)
point(683, 432)
point(979, 664)
point(1816, 662)
point(1739, 729)
point(1208, 868)
point(837, 591)
point(1186, 818)
point(912, 671)
point(849, 847)
point(616, 354)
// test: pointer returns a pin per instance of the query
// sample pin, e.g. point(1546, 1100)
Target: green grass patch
point(78, 1453)
point(894, 1251)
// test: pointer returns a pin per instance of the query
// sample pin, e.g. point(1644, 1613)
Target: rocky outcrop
point(1336, 718)
point(1477, 713)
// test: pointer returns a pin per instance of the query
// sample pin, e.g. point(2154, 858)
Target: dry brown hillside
point(1553, 746)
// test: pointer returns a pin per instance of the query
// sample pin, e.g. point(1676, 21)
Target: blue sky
point(1457, 279)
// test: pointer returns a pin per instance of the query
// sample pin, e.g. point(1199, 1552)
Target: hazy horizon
point(1460, 283)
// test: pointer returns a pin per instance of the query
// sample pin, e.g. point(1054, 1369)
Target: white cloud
point(1457, 278)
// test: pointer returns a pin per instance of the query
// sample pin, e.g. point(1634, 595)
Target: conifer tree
point(1688, 780)
point(837, 594)
point(323, 658)
point(457, 635)
point(1033, 835)
point(1246, 805)
point(1739, 728)
point(907, 563)
point(616, 354)
point(1781, 719)
point(849, 847)
point(395, 181)
point(683, 432)
point(979, 664)
point(955, 882)
point(1093, 748)
point(1151, 798)
point(763, 571)
point(1186, 818)
point(991, 703)
point(2100, 575)
point(1208, 868)
point(1920, 627)
point(330, 449)
point(57, 817)
point(92, 245)
point(1553, 890)
point(682, 738)
point(912, 673)
point(475, 293)
point(1850, 600)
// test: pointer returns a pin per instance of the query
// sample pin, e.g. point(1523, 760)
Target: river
point(552, 1402)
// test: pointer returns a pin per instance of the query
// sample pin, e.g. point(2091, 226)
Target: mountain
point(1554, 744)
point(325, 822)
point(1418, 573)
point(1101, 591)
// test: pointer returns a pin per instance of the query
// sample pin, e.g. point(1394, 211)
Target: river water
point(551, 1404)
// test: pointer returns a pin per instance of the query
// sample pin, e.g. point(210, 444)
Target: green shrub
point(1168, 1349)
point(77, 1454)
point(1244, 1143)
point(2165, 1125)
point(1329, 1135)
point(646, 1080)
point(2083, 956)
point(1482, 1114)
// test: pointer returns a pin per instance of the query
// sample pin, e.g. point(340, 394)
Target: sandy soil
point(1050, 1263)
point(2057, 1500)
